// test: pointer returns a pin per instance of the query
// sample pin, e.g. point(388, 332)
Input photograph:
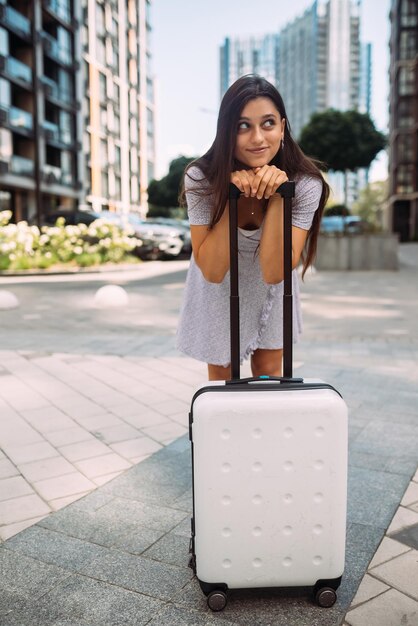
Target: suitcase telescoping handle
point(287, 191)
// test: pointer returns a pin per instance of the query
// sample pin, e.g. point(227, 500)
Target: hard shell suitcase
point(269, 459)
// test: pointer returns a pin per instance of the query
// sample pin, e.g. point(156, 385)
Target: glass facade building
point(403, 119)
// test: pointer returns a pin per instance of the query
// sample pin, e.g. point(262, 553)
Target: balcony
point(16, 119)
point(53, 133)
point(55, 51)
point(15, 21)
point(54, 175)
point(21, 166)
point(53, 91)
point(60, 8)
point(16, 70)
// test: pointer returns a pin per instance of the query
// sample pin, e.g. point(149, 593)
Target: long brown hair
point(219, 161)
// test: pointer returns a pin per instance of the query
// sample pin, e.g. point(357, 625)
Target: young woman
point(253, 149)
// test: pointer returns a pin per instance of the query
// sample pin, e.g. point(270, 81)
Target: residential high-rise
point(40, 122)
point(318, 63)
point(119, 104)
point(403, 119)
point(76, 105)
point(254, 55)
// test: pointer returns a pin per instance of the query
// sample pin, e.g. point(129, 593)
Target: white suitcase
point(269, 459)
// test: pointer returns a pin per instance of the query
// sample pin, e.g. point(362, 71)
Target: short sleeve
point(199, 205)
point(307, 196)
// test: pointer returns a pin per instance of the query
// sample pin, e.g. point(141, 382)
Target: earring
point(282, 142)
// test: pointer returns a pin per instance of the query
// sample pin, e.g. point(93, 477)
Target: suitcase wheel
point(325, 597)
point(217, 600)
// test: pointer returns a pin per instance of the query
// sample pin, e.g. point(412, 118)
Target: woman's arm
point(211, 248)
point(271, 244)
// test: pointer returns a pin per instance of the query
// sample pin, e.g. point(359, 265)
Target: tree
point(342, 140)
point(371, 204)
point(163, 194)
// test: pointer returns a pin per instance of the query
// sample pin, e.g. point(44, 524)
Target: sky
point(186, 37)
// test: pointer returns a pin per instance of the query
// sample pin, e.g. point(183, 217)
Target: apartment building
point(403, 119)
point(118, 107)
point(40, 124)
point(76, 105)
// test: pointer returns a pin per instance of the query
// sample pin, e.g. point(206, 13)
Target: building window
point(104, 159)
point(405, 113)
point(100, 20)
point(133, 131)
point(409, 13)
point(133, 72)
point(103, 118)
point(117, 188)
point(134, 161)
point(6, 145)
point(105, 185)
point(134, 189)
point(405, 179)
point(100, 51)
point(408, 45)
point(102, 87)
point(133, 102)
point(66, 127)
point(405, 146)
point(406, 81)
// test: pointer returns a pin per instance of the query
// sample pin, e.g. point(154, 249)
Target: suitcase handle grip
point(263, 379)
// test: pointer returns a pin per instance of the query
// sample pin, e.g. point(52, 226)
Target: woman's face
point(259, 134)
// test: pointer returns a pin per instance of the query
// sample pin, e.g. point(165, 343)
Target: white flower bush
point(28, 247)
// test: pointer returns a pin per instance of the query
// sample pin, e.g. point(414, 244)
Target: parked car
point(350, 224)
point(183, 228)
point(149, 248)
point(169, 240)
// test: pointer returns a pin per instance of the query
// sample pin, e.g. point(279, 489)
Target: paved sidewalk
point(101, 409)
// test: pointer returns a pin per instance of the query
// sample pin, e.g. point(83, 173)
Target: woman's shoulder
point(306, 185)
point(195, 178)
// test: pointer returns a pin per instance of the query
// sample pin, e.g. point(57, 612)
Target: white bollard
point(111, 296)
point(8, 300)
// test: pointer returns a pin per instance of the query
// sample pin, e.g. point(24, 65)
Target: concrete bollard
point(111, 296)
point(8, 300)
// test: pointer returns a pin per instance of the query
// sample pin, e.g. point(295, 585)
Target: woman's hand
point(243, 180)
point(261, 182)
point(266, 181)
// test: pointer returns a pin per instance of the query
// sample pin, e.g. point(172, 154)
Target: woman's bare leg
point(266, 362)
point(217, 372)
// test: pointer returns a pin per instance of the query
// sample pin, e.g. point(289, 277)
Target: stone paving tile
point(68, 436)
point(96, 422)
point(136, 447)
point(84, 450)
point(137, 573)
point(114, 434)
point(14, 487)
point(102, 480)
point(31, 452)
point(172, 615)
point(78, 601)
point(165, 432)
point(7, 469)
point(102, 465)
point(388, 549)
point(47, 468)
point(408, 536)
point(59, 503)
point(54, 548)
point(369, 588)
point(24, 580)
point(145, 417)
point(9, 530)
point(23, 508)
point(403, 517)
point(389, 609)
point(401, 573)
point(61, 486)
point(47, 419)
point(411, 495)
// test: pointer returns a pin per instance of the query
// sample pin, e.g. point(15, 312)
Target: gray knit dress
point(203, 331)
